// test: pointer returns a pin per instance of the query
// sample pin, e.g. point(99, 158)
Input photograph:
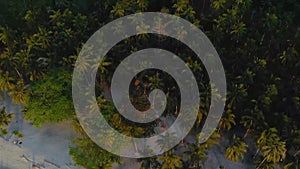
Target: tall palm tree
point(227, 121)
point(170, 161)
point(247, 122)
point(5, 119)
point(198, 156)
point(6, 81)
point(19, 94)
point(273, 149)
point(237, 150)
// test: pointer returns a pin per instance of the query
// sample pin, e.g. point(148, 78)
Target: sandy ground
point(49, 145)
point(11, 156)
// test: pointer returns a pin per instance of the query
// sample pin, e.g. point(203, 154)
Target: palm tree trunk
point(261, 163)
point(256, 153)
point(247, 133)
point(296, 153)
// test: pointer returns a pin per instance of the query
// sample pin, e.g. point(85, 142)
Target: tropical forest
point(258, 42)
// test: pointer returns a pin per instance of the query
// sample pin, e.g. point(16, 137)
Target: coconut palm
point(227, 121)
point(5, 119)
point(6, 81)
point(247, 122)
point(198, 155)
point(19, 94)
point(237, 150)
point(273, 149)
point(170, 161)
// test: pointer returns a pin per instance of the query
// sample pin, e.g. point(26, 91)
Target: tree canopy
point(257, 41)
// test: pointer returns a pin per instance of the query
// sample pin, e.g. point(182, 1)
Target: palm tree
point(212, 140)
point(6, 81)
point(227, 120)
point(247, 122)
point(19, 94)
point(5, 119)
point(198, 156)
point(275, 152)
point(273, 149)
point(170, 161)
point(237, 150)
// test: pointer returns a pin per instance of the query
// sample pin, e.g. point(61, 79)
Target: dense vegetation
point(258, 42)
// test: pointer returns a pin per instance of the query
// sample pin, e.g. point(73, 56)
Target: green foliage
point(88, 154)
point(5, 119)
point(228, 119)
point(288, 166)
point(170, 161)
point(237, 150)
point(44, 39)
point(50, 98)
point(258, 42)
point(18, 134)
point(273, 149)
point(5, 81)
